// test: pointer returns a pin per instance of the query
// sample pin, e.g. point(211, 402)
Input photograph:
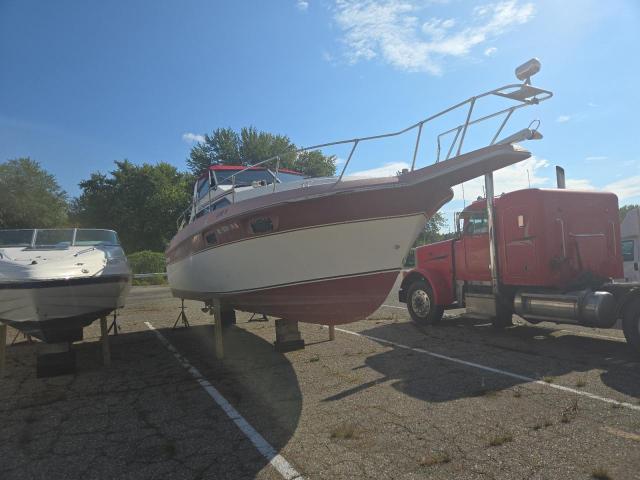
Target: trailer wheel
point(631, 324)
point(421, 304)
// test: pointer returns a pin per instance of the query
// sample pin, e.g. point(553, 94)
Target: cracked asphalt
point(351, 408)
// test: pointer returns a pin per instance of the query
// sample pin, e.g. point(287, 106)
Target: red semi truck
point(556, 254)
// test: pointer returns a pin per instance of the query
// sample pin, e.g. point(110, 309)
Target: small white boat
point(54, 282)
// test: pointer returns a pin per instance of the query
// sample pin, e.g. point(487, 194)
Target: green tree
point(140, 202)
point(625, 209)
point(226, 147)
point(30, 197)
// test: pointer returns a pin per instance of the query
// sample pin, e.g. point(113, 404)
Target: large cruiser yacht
point(328, 250)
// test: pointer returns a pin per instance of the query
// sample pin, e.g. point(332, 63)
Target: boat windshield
point(57, 237)
point(96, 237)
point(16, 238)
point(245, 178)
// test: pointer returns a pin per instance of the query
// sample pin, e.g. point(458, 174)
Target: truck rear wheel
point(631, 324)
point(421, 304)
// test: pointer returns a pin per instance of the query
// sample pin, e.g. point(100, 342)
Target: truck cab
point(558, 253)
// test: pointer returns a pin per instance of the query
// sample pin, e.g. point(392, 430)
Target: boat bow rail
point(520, 94)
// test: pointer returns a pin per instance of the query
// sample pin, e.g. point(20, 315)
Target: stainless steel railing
point(523, 94)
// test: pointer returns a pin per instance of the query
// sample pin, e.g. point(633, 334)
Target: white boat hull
point(297, 257)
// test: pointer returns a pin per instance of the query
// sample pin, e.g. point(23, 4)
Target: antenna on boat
point(528, 179)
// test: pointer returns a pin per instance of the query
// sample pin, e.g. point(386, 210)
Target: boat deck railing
point(521, 94)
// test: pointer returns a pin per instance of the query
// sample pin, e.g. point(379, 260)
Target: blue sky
point(85, 83)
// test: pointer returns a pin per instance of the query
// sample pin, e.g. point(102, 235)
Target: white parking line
point(393, 306)
point(279, 463)
point(496, 370)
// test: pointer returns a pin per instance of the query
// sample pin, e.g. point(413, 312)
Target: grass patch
point(314, 359)
point(345, 431)
point(145, 282)
point(580, 383)
point(500, 439)
point(600, 473)
point(432, 459)
point(549, 378)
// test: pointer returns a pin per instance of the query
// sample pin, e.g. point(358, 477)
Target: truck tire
point(631, 324)
point(421, 304)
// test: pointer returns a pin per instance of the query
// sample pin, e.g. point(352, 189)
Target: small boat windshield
point(16, 238)
point(57, 238)
point(245, 178)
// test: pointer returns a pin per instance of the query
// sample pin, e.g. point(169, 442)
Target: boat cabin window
point(627, 250)
point(262, 225)
point(476, 223)
point(54, 238)
point(16, 238)
point(289, 177)
point(211, 238)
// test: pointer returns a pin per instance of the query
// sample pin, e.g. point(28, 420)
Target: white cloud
point(513, 177)
point(596, 158)
point(489, 52)
point(302, 5)
point(625, 188)
point(397, 32)
point(192, 137)
point(563, 118)
point(579, 184)
point(387, 170)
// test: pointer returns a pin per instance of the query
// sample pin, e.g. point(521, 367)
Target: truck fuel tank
point(585, 307)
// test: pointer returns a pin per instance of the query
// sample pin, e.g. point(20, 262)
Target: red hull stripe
point(329, 302)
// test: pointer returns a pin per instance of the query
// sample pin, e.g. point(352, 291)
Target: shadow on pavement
point(527, 350)
point(145, 416)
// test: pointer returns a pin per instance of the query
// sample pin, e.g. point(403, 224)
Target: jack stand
point(55, 359)
point(288, 336)
point(263, 319)
point(181, 317)
point(114, 324)
point(25, 335)
point(104, 339)
point(3, 349)
point(217, 315)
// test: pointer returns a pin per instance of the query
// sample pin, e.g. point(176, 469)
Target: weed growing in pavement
point(345, 431)
point(543, 424)
point(483, 392)
point(436, 458)
point(600, 473)
point(500, 439)
point(580, 383)
point(570, 412)
point(548, 378)
point(517, 394)
point(315, 358)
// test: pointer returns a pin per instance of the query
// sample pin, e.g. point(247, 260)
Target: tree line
point(140, 202)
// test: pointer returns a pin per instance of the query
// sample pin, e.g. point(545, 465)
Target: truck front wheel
point(631, 324)
point(421, 304)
